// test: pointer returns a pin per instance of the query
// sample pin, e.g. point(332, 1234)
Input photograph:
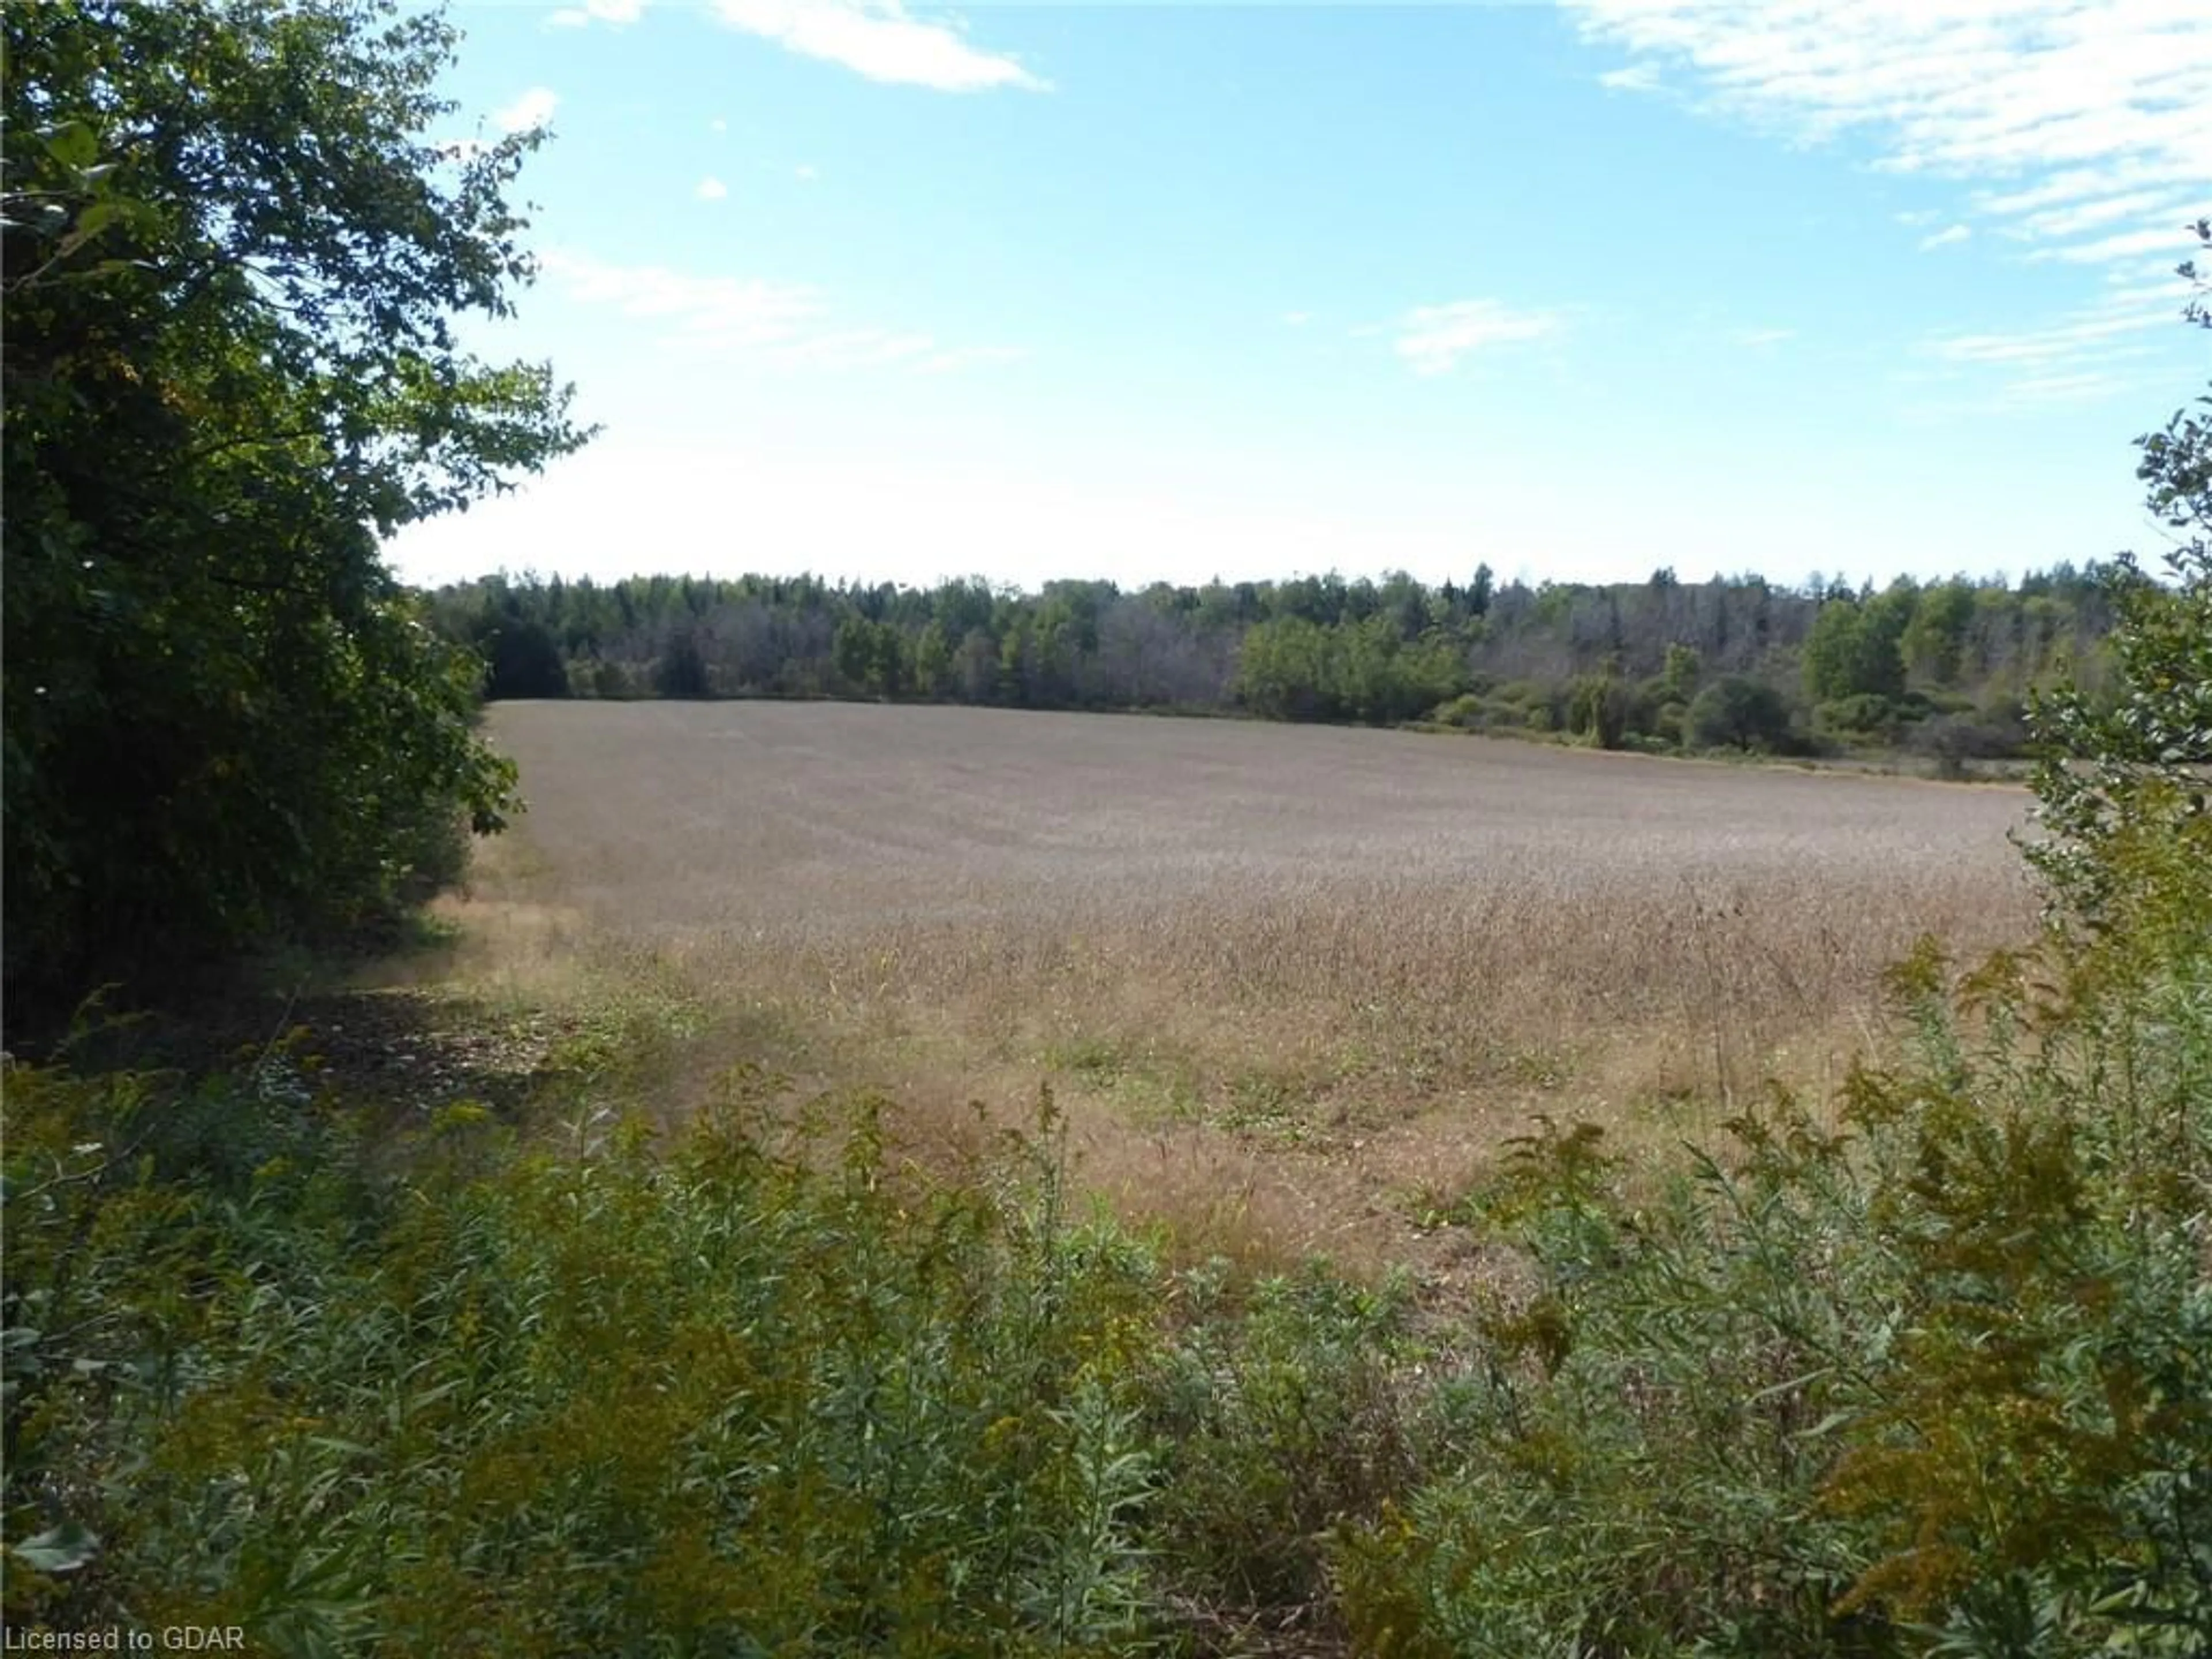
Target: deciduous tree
point(235, 253)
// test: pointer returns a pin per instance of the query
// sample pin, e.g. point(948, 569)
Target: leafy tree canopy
point(234, 255)
point(2125, 781)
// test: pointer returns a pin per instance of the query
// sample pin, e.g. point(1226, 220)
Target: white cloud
point(2129, 245)
point(534, 108)
point(717, 124)
point(1917, 217)
point(2080, 128)
point(877, 39)
point(788, 324)
point(1764, 337)
point(2089, 332)
point(1297, 318)
point(2096, 352)
point(2102, 99)
point(2086, 386)
point(1636, 77)
point(710, 189)
point(1949, 236)
point(1433, 338)
point(701, 312)
point(804, 172)
point(2087, 216)
point(617, 13)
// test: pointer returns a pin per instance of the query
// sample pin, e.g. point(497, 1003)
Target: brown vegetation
point(1294, 984)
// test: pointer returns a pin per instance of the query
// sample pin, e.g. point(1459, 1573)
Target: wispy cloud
point(2085, 386)
point(2079, 128)
point(702, 311)
point(2108, 101)
point(1636, 77)
point(1949, 236)
point(1297, 319)
point(617, 13)
point(717, 124)
point(710, 189)
point(534, 108)
point(880, 39)
point(2026, 395)
point(1432, 339)
point(1757, 338)
point(805, 173)
point(2100, 330)
point(2087, 216)
point(2095, 352)
point(2129, 245)
point(790, 323)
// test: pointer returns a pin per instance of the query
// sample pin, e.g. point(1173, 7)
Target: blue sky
point(1858, 286)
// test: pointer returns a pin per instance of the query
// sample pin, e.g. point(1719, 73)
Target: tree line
point(1944, 667)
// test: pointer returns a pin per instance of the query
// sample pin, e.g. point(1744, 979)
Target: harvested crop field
point(1287, 980)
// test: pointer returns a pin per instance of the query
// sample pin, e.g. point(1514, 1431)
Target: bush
point(1283, 1418)
point(1938, 1380)
point(1929, 1372)
point(1859, 719)
point(1954, 741)
point(1735, 712)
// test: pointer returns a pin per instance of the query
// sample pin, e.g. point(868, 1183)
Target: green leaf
point(73, 144)
point(97, 218)
point(57, 1550)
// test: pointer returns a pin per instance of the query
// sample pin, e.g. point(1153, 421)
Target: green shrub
point(1735, 712)
point(1464, 710)
point(517, 1402)
point(1283, 1418)
point(1938, 1379)
point(1864, 719)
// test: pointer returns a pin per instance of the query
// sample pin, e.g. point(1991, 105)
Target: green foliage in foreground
point(1936, 1377)
point(707, 1399)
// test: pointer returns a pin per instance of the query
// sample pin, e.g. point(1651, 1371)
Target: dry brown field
point(1293, 986)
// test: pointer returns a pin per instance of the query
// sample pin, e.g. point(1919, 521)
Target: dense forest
point(1944, 668)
